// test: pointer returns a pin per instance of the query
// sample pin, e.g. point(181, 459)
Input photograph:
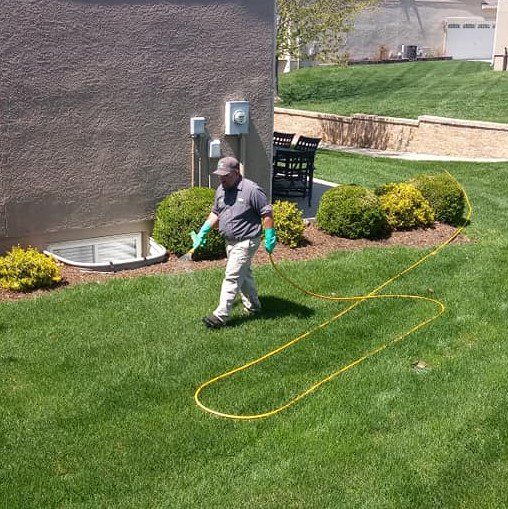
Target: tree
point(320, 22)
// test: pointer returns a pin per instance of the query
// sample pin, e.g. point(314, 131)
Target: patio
point(309, 211)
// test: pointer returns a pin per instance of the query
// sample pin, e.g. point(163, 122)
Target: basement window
point(116, 252)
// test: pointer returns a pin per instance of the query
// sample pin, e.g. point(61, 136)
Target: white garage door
point(469, 39)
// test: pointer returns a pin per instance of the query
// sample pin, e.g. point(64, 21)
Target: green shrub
point(444, 195)
point(23, 270)
point(353, 212)
point(289, 223)
point(180, 213)
point(404, 206)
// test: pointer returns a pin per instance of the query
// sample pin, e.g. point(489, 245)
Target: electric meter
point(237, 118)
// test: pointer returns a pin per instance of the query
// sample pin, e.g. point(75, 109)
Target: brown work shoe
point(213, 322)
point(251, 312)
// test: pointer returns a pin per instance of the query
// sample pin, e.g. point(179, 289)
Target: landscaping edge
point(427, 134)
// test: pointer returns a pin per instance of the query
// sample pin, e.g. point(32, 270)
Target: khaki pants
point(238, 278)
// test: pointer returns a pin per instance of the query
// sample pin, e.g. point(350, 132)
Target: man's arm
point(199, 239)
point(270, 237)
point(267, 221)
point(213, 219)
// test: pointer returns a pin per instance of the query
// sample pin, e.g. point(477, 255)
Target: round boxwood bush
point(180, 213)
point(444, 195)
point(289, 223)
point(23, 270)
point(352, 212)
point(404, 206)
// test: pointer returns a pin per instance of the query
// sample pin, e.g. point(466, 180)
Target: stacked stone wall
point(427, 134)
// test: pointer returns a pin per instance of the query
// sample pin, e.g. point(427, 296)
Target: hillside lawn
point(97, 381)
point(456, 89)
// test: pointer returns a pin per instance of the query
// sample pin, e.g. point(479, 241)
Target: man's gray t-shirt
point(240, 210)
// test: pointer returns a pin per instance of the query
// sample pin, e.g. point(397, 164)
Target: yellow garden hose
point(356, 301)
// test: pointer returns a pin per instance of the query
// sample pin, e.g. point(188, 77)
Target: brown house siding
point(95, 102)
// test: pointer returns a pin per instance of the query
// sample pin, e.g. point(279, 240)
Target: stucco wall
point(413, 22)
point(428, 134)
point(95, 102)
point(501, 37)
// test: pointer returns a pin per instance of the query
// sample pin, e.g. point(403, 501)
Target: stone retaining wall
point(428, 134)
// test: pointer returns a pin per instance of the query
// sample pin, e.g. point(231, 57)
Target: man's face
point(230, 180)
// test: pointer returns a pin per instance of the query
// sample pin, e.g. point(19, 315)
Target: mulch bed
point(317, 244)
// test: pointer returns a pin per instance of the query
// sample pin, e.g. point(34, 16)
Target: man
point(239, 210)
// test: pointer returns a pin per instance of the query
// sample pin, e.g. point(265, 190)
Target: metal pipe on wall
point(243, 154)
point(193, 162)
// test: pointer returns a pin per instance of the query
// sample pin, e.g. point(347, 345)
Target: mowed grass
point(456, 89)
point(97, 381)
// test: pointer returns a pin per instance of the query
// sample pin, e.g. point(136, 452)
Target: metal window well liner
point(107, 254)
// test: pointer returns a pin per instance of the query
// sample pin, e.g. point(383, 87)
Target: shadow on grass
point(273, 308)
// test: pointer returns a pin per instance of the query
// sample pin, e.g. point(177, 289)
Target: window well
point(111, 253)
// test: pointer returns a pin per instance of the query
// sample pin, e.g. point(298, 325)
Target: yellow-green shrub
point(289, 223)
point(444, 195)
point(23, 270)
point(404, 206)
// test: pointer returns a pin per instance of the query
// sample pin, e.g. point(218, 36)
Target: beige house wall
point(95, 104)
point(428, 134)
point(501, 37)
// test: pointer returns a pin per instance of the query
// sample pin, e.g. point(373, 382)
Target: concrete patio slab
point(319, 188)
point(412, 156)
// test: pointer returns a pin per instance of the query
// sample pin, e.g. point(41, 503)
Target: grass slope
point(96, 382)
point(457, 89)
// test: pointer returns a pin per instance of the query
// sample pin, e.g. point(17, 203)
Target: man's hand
point(199, 239)
point(270, 240)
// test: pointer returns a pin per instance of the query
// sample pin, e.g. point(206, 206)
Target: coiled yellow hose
point(357, 300)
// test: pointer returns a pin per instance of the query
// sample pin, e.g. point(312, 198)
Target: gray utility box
point(237, 118)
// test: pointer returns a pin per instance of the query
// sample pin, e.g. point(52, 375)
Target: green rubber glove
point(270, 240)
point(199, 239)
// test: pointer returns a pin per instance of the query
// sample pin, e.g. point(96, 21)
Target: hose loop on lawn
point(356, 301)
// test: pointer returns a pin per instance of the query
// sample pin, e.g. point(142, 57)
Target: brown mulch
point(317, 244)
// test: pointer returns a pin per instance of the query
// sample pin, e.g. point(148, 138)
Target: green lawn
point(469, 90)
point(97, 381)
